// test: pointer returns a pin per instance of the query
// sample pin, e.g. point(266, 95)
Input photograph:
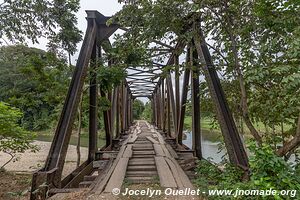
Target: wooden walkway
point(143, 158)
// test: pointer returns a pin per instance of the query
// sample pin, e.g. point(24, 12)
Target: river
point(209, 141)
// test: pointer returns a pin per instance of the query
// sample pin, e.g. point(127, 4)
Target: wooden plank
point(158, 150)
point(152, 140)
point(166, 151)
point(64, 190)
point(133, 138)
point(128, 151)
point(102, 182)
point(160, 138)
point(101, 174)
point(79, 177)
point(171, 151)
point(165, 175)
point(100, 164)
point(116, 179)
point(175, 173)
point(181, 174)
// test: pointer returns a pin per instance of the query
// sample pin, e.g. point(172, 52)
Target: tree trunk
point(12, 156)
point(70, 62)
point(292, 144)
point(240, 77)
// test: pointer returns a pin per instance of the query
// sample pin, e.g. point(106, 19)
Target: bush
point(268, 171)
point(13, 138)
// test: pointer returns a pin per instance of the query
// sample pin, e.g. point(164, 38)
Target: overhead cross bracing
point(142, 81)
point(168, 100)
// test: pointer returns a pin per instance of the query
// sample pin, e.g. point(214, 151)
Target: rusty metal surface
point(141, 81)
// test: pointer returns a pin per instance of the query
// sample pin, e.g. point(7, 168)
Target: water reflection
point(209, 145)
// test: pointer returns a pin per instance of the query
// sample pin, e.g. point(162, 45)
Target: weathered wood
point(167, 153)
point(158, 150)
point(79, 177)
point(180, 173)
point(63, 190)
point(152, 140)
point(99, 187)
point(165, 175)
point(118, 176)
point(101, 175)
point(175, 174)
point(172, 152)
point(133, 138)
point(160, 138)
point(128, 151)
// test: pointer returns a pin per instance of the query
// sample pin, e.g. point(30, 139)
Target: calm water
point(209, 145)
point(210, 142)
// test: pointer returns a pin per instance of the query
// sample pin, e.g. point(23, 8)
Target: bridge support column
point(163, 107)
point(172, 103)
point(158, 100)
point(235, 148)
point(93, 123)
point(153, 109)
point(168, 116)
point(196, 112)
point(118, 113)
point(185, 87)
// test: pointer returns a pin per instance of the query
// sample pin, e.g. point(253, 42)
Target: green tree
point(138, 109)
point(254, 44)
point(54, 20)
point(34, 81)
point(13, 138)
point(147, 113)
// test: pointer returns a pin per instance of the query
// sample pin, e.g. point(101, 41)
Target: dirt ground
point(14, 185)
point(30, 162)
point(15, 182)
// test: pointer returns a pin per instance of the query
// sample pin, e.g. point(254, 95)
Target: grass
point(207, 125)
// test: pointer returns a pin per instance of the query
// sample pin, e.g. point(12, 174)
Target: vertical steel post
point(163, 105)
point(172, 102)
point(114, 105)
point(153, 109)
point(185, 87)
point(177, 90)
point(118, 113)
point(233, 142)
point(158, 100)
point(168, 115)
point(122, 107)
point(93, 124)
point(196, 113)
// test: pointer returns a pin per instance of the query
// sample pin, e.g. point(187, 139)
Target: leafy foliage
point(13, 138)
point(34, 81)
point(267, 171)
point(138, 109)
point(254, 45)
point(55, 20)
point(110, 77)
point(147, 113)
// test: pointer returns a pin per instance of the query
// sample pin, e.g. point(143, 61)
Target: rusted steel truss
point(168, 104)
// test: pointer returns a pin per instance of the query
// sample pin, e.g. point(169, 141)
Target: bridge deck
point(143, 158)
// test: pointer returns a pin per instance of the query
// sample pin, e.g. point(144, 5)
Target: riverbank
point(29, 162)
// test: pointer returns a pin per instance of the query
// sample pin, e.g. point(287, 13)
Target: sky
point(105, 7)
